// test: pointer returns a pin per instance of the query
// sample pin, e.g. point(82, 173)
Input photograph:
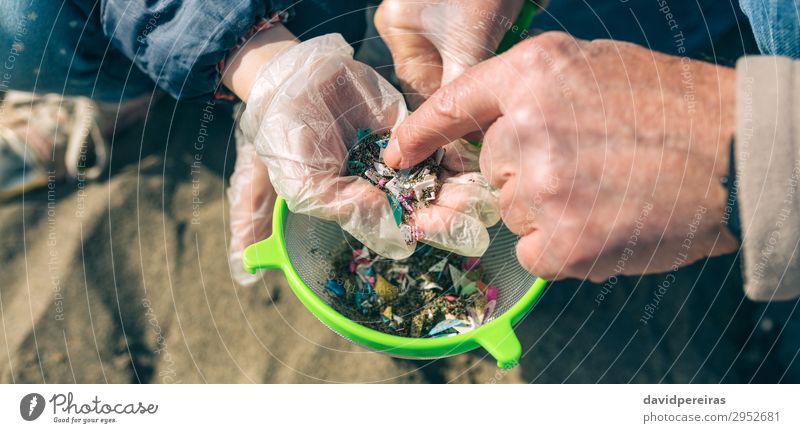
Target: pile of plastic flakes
point(432, 293)
point(407, 190)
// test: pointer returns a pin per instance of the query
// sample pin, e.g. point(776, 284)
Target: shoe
point(49, 138)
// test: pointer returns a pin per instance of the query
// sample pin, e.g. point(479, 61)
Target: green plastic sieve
point(302, 247)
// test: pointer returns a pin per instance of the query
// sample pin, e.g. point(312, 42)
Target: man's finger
point(469, 103)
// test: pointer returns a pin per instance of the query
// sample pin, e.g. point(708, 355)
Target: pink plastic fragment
point(405, 204)
point(352, 267)
point(488, 311)
point(361, 257)
point(451, 297)
point(470, 263)
point(491, 292)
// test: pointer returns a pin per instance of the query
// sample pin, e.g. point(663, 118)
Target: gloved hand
point(303, 114)
point(251, 198)
point(433, 42)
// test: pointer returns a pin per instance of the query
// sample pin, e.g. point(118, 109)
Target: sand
point(127, 281)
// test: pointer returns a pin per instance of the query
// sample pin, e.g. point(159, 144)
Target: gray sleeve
point(767, 157)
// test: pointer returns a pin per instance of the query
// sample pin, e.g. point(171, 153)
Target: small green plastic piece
point(362, 133)
point(469, 289)
point(354, 168)
point(397, 209)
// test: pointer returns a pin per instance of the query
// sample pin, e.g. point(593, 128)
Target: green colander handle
point(268, 253)
point(499, 339)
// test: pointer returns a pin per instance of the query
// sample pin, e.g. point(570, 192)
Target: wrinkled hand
point(609, 155)
point(303, 114)
point(433, 42)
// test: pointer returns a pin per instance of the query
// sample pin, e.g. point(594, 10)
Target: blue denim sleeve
point(776, 25)
point(179, 43)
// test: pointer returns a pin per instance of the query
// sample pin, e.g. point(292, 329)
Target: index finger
point(469, 103)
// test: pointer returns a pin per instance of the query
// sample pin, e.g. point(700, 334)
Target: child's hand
point(251, 199)
point(302, 114)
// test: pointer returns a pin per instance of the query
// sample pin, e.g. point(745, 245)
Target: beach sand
point(127, 281)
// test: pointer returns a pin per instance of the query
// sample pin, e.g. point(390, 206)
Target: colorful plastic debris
point(439, 266)
point(470, 263)
point(469, 289)
point(407, 190)
point(413, 296)
point(444, 326)
point(491, 292)
point(335, 287)
point(385, 290)
point(456, 276)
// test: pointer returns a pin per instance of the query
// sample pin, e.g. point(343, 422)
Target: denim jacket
point(776, 25)
point(179, 43)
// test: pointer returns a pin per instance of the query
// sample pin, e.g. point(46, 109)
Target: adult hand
point(303, 113)
point(609, 155)
point(433, 42)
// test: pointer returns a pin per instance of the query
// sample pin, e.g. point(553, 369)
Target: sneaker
point(50, 138)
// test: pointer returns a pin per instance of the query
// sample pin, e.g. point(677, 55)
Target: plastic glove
point(303, 114)
point(435, 41)
point(251, 198)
